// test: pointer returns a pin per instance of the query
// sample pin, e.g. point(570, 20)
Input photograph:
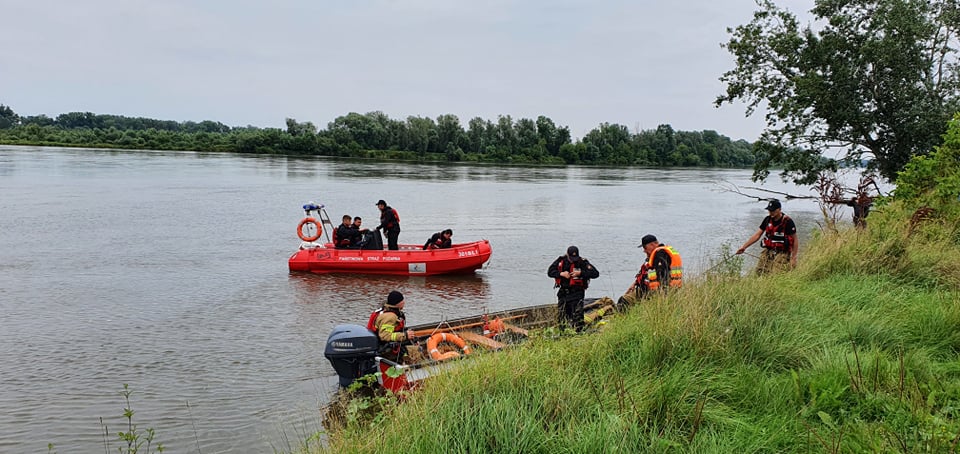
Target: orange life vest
point(652, 281)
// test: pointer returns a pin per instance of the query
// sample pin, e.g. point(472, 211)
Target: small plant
point(134, 438)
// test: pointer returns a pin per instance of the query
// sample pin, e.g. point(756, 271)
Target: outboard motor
point(351, 350)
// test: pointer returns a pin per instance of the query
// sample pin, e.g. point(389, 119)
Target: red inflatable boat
point(409, 260)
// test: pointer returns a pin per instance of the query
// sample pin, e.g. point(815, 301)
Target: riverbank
point(857, 349)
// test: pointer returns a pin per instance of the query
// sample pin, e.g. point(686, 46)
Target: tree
point(8, 118)
point(878, 79)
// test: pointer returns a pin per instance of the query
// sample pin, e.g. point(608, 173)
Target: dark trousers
point(570, 308)
point(392, 237)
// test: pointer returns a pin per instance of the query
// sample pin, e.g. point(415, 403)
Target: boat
point(409, 260)
point(354, 351)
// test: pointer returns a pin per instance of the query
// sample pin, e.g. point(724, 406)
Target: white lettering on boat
point(467, 253)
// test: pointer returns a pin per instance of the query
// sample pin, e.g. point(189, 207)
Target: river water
point(167, 271)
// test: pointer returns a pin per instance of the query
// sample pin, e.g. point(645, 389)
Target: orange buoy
point(307, 222)
point(439, 338)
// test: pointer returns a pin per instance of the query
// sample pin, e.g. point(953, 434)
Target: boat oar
point(431, 331)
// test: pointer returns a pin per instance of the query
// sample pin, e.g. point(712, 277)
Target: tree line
point(376, 135)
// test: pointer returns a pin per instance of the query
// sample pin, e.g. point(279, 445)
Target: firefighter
point(388, 322)
point(571, 274)
point(779, 241)
point(662, 270)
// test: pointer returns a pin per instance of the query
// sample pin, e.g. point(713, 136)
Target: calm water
point(167, 271)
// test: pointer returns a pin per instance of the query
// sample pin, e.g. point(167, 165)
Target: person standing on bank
point(439, 240)
point(662, 270)
point(388, 322)
point(390, 224)
point(571, 274)
point(779, 241)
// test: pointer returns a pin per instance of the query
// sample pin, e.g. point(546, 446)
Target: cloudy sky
point(638, 63)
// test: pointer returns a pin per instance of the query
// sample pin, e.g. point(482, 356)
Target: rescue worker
point(344, 235)
point(390, 224)
point(779, 241)
point(571, 274)
point(440, 240)
point(662, 270)
point(361, 233)
point(388, 322)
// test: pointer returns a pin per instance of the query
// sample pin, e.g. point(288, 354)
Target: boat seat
point(516, 329)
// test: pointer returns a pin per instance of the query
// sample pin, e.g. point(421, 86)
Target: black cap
point(773, 205)
point(394, 298)
point(647, 239)
point(381, 202)
point(573, 252)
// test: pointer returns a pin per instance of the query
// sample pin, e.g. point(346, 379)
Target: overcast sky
point(243, 62)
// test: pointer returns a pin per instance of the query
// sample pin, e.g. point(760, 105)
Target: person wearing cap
point(779, 241)
point(390, 224)
point(440, 240)
point(662, 270)
point(388, 322)
point(571, 274)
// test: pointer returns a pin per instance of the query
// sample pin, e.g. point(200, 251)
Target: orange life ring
point(436, 339)
point(306, 221)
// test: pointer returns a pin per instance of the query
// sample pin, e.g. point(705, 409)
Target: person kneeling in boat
point(571, 274)
point(663, 269)
point(344, 236)
point(388, 323)
point(440, 240)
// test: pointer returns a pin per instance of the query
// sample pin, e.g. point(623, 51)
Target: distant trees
point(375, 135)
point(8, 118)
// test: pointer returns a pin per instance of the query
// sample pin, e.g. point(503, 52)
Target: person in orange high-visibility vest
point(662, 270)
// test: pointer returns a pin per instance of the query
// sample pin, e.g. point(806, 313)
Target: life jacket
point(396, 218)
point(775, 237)
point(437, 243)
point(676, 269)
point(372, 322)
point(573, 283)
point(337, 241)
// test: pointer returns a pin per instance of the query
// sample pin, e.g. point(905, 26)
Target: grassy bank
point(856, 350)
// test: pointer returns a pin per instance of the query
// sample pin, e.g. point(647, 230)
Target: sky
point(636, 63)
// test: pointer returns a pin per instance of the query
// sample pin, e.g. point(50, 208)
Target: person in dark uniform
point(390, 224)
point(345, 235)
point(571, 274)
point(779, 241)
point(440, 240)
point(361, 233)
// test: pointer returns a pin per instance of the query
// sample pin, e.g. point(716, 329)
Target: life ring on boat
point(439, 338)
point(306, 221)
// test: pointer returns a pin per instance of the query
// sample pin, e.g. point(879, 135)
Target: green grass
point(856, 350)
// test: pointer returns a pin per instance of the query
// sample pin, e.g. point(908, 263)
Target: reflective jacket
point(387, 324)
point(652, 280)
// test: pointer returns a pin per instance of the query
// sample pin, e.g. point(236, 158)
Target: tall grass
point(856, 350)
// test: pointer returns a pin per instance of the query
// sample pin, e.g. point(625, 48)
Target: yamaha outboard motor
point(351, 350)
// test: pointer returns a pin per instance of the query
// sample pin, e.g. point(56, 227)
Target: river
point(167, 271)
